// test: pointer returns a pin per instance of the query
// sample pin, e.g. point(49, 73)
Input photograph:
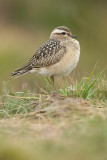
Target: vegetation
point(69, 123)
point(36, 123)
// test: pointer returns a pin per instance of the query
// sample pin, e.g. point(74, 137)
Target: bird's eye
point(63, 33)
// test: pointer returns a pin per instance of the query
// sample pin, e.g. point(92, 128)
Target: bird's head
point(62, 33)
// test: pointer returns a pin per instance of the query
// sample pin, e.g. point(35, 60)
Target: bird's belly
point(63, 67)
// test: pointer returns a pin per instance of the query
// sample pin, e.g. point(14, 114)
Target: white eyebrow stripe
point(58, 31)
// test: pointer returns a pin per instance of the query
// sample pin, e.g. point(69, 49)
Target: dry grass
point(57, 114)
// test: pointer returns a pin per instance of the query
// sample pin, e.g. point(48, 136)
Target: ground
point(55, 125)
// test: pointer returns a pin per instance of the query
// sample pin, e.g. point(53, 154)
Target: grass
point(84, 88)
point(68, 124)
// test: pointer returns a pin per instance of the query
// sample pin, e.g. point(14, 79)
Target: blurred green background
point(26, 24)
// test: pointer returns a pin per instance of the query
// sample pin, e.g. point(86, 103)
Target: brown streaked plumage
point(58, 56)
point(63, 28)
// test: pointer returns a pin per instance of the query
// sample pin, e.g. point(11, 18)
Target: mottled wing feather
point(48, 54)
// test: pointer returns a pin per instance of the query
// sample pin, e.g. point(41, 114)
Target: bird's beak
point(73, 36)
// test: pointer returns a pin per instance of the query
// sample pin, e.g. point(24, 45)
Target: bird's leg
point(52, 82)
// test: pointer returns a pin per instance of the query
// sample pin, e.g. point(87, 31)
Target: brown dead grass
point(51, 117)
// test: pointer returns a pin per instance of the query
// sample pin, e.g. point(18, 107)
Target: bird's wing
point(48, 54)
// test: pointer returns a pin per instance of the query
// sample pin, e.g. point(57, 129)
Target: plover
point(56, 57)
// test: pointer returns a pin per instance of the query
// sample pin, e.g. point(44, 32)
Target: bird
point(56, 57)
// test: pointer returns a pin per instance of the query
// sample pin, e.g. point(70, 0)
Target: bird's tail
point(21, 71)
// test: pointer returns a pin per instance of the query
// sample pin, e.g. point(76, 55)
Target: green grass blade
point(87, 90)
point(89, 78)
